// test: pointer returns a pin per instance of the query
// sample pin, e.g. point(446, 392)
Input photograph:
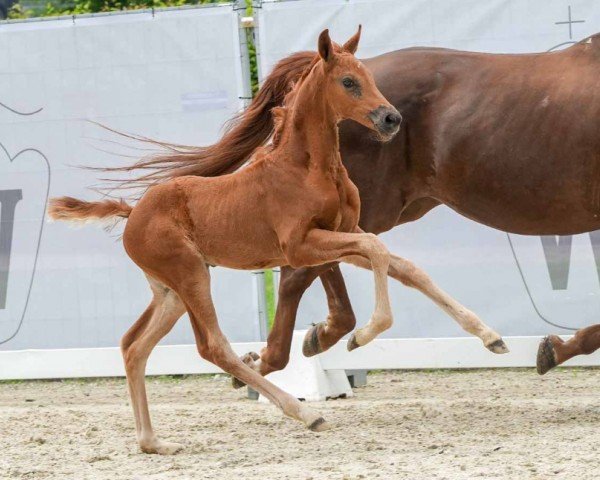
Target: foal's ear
point(325, 46)
point(351, 45)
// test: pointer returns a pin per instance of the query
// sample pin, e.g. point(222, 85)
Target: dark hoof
point(253, 355)
point(545, 357)
point(498, 347)
point(310, 346)
point(249, 359)
point(237, 384)
point(318, 425)
point(352, 343)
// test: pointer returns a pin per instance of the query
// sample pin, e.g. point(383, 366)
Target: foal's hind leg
point(136, 345)
point(194, 289)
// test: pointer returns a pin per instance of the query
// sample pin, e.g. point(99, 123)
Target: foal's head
point(350, 88)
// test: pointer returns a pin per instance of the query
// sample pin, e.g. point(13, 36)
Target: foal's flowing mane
point(243, 135)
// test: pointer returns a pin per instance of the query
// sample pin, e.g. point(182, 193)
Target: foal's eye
point(348, 82)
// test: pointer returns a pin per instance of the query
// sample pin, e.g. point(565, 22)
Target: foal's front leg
point(322, 246)
point(412, 276)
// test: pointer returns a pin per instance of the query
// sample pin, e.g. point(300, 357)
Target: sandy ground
point(508, 424)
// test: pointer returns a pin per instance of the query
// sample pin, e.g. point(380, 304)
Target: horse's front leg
point(340, 320)
point(292, 285)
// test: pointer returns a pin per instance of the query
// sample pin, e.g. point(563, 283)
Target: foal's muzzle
point(387, 121)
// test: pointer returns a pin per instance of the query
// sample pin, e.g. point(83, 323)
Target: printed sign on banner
point(158, 76)
point(518, 285)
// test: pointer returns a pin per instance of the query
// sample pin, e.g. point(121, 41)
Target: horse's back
point(518, 127)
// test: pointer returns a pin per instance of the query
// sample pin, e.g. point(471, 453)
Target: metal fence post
point(276, 278)
point(246, 27)
point(261, 297)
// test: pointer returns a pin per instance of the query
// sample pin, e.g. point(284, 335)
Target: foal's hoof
point(352, 343)
point(310, 346)
point(161, 447)
point(546, 359)
point(236, 383)
point(319, 425)
point(498, 347)
point(249, 359)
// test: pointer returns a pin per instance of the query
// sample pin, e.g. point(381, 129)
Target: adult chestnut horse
point(295, 205)
point(510, 141)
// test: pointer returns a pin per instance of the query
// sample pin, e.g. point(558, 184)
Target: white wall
point(174, 76)
point(177, 76)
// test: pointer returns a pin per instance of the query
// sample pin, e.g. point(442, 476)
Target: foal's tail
point(244, 134)
point(74, 210)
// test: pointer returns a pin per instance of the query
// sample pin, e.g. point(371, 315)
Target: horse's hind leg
point(136, 345)
point(194, 290)
point(276, 354)
point(320, 337)
point(340, 320)
point(554, 351)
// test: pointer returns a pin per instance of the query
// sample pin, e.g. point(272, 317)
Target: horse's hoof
point(545, 357)
point(352, 343)
point(319, 425)
point(310, 346)
point(249, 359)
point(498, 347)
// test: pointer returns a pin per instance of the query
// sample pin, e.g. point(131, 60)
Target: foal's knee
point(376, 249)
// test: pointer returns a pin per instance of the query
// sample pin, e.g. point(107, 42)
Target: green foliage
point(270, 296)
point(252, 51)
point(17, 12)
point(42, 8)
point(253, 62)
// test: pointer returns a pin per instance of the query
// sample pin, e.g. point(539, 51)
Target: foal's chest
point(339, 205)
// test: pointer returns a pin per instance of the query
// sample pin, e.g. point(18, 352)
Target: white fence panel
point(516, 285)
point(173, 75)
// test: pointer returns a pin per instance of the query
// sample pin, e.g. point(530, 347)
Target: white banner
point(518, 285)
point(174, 76)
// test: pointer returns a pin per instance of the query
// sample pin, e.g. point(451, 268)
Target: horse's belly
point(532, 206)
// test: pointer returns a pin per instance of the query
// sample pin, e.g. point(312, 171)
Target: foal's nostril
point(393, 119)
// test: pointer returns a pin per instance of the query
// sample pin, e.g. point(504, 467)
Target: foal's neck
point(312, 123)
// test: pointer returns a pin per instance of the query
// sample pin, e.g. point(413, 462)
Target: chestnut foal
point(293, 205)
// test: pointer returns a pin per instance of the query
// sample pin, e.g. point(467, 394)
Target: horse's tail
point(243, 134)
point(74, 210)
